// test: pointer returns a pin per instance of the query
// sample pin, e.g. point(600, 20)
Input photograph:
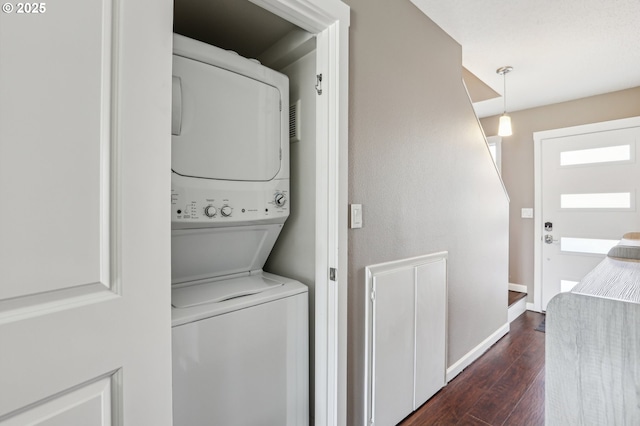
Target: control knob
point(280, 199)
point(226, 211)
point(210, 211)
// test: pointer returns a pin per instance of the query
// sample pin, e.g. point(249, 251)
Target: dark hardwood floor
point(505, 386)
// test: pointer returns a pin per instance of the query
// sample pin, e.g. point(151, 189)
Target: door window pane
point(613, 200)
point(596, 155)
point(586, 245)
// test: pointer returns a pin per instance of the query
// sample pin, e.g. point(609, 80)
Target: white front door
point(589, 179)
point(85, 334)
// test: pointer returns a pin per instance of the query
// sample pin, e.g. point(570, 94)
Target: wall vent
point(294, 121)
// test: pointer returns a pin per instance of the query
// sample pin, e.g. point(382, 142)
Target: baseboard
point(532, 307)
point(518, 287)
point(517, 309)
point(476, 352)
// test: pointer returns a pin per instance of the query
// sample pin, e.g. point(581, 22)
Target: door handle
point(549, 239)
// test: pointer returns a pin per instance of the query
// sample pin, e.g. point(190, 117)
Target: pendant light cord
point(504, 90)
point(503, 71)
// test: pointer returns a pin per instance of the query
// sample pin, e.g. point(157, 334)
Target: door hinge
point(332, 274)
point(280, 104)
point(319, 84)
point(373, 295)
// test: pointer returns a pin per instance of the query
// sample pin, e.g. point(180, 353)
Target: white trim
point(341, 249)
point(476, 352)
point(518, 287)
point(327, 181)
point(517, 309)
point(486, 141)
point(538, 137)
point(311, 15)
point(531, 307)
point(324, 366)
point(410, 262)
point(623, 123)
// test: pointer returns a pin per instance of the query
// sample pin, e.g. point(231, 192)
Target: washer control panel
point(193, 206)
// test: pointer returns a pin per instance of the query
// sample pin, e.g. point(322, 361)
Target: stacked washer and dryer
point(239, 334)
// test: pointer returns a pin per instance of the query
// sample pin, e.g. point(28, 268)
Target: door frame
point(329, 21)
point(538, 137)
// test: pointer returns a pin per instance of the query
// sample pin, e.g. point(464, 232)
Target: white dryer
point(240, 335)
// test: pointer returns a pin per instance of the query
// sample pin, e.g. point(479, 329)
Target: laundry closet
point(236, 354)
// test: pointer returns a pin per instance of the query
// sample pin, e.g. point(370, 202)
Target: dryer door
point(227, 125)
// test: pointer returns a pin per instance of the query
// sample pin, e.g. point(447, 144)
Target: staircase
point(517, 304)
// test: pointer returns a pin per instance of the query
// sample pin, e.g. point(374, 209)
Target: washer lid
point(219, 291)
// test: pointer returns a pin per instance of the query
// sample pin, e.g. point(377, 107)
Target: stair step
point(515, 296)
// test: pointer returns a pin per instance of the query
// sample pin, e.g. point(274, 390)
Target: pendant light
point(504, 129)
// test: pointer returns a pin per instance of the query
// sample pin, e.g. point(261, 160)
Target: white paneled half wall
point(406, 329)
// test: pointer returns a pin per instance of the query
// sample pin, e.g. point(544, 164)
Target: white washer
point(239, 335)
point(242, 361)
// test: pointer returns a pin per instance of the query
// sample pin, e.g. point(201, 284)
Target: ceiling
point(560, 50)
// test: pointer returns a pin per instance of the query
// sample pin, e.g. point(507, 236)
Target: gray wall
point(419, 164)
point(294, 254)
point(517, 162)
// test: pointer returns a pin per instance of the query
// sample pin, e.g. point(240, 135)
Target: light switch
point(527, 213)
point(356, 216)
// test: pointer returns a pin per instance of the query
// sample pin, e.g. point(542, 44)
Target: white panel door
point(84, 225)
point(393, 346)
point(431, 330)
point(406, 325)
point(590, 184)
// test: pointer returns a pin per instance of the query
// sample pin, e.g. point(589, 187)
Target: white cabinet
point(406, 336)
